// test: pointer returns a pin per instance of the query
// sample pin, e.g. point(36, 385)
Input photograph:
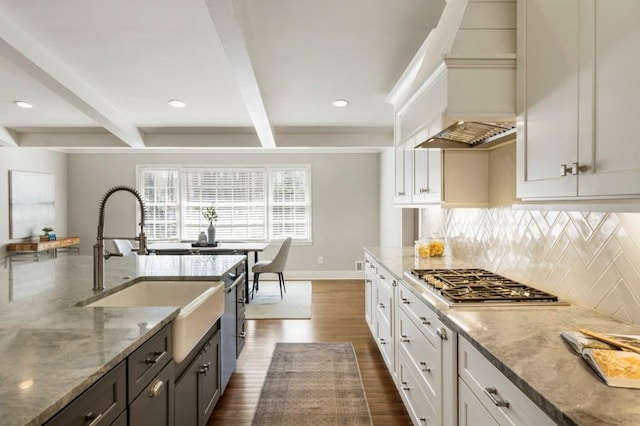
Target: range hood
point(470, 134)
point(459, 91)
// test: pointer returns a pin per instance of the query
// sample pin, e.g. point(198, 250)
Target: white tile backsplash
point(590, 258)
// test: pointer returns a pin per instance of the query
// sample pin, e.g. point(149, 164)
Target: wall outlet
point(320, 260)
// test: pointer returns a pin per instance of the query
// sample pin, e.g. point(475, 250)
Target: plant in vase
point(210, 214)
point(47, 230)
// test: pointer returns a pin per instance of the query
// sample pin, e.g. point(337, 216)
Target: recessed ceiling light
point(177, 103)
point(23, 104)
point(340, 103)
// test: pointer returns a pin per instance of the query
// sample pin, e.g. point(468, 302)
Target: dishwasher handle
point(234, 284)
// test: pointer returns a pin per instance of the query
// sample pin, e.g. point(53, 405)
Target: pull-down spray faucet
point(99, 255)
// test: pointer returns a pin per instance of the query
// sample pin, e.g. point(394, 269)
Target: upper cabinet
point(577, 101)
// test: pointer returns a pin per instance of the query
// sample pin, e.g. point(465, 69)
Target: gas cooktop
point(467, 287)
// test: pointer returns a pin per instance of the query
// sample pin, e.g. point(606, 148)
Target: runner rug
point(313, 384)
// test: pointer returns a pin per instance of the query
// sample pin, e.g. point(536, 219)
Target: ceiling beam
point(225, 21)
point(33, 59)
point(7, 138)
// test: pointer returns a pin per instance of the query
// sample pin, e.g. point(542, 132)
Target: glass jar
point(436, 247)
point(421, 249)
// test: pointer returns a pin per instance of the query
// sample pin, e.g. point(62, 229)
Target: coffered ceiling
point(253, 73)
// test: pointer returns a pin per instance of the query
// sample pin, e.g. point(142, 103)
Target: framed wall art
point(31, 203)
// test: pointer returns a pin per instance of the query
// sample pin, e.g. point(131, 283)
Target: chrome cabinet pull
point(381, 305)
point(93, 418)
point(405, 301)
point(564, 170)
point(405, 386)
point(382, 341)
point(155, 388)
point(425, 367)
point(492, 393)
point(157, 355)
point(442, 333)
point(242, 334)
point(423, 190)
point(400, 194)
point(425, 321)
point(381, 276)
point(404, 339)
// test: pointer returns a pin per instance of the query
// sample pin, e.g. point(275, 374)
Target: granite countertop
point(51, 350)
point(524, 343)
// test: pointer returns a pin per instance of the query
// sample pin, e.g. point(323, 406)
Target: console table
point(37, 247)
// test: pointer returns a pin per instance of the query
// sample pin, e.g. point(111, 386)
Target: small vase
point(211, 231)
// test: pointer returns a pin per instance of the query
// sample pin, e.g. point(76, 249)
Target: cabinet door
point(470, 411)
point(608, 142)
point(426, 176)
point(186, 398)
point(155, 404)
point(403, 173)
point(548, 66)
point(209, 382)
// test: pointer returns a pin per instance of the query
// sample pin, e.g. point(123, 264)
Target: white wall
point(345, 191)
point(390, 217)
point(33, 160)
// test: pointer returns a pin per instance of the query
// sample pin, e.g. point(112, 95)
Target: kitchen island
point(523, 343)
point(53, 350)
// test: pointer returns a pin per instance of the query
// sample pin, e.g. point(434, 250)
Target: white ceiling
point(253, 72)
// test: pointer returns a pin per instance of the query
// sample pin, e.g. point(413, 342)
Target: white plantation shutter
point(160, 193)
point(238, 195)
point(290, 203)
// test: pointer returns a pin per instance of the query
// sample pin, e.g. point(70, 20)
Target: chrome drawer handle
point(492, 393)
point(405, 301)
point(425, 321)
point(155, 388)
point(157, 355)
point(382, 342)
point(93, 417)
point(381, 276)
point(381, 305)
point(367, 281)
point(405, 386)
point(424, 367)
point(442, 333)
point(424, 420)
point(404, 339)
point(242, 334)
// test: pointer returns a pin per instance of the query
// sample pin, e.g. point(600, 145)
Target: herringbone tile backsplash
point(589, 258)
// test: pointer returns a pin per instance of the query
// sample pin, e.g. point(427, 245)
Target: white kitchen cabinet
point(576, 108)
point(497, 399)
point(426, 361)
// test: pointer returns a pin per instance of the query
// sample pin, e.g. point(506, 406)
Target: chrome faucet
point(99, 253)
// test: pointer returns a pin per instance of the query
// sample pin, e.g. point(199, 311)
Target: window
point(252, 203)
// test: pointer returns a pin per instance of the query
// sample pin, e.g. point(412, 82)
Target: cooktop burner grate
point(479, 285)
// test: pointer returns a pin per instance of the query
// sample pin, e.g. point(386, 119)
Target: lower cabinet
point(485, 393)
point(198, 389)
point(155, 404)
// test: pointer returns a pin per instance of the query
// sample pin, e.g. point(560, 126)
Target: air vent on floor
point(359, 265)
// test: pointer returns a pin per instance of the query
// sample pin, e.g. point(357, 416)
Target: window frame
point(267, 169)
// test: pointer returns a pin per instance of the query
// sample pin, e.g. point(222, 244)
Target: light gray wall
point(345, 203)
point(33, 160)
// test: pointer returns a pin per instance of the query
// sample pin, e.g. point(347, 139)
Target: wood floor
point(337, 315)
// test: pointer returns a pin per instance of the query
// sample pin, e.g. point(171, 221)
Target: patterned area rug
point(266, 303)
point(313, 384)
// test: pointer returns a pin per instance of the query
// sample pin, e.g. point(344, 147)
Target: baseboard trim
point(316, 275)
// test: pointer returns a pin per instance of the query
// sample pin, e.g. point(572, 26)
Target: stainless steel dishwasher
point(228, 341)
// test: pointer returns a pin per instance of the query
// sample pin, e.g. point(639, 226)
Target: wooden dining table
point(181, 248)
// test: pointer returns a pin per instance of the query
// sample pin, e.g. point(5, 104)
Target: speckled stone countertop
point(52, 350)
point(524, 343)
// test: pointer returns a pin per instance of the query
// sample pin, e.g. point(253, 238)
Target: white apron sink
point(201, 304)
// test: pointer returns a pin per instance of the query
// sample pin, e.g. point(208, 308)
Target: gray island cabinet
point(67, 363)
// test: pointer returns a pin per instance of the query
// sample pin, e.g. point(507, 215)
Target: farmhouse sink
point(201, 304)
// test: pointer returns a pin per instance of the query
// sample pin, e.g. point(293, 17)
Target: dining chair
point(123, 247)
point(275, 266)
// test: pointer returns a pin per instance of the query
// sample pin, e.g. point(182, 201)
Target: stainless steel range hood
point(470, 134)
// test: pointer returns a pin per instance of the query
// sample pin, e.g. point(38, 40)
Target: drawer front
point(102, 403)
point(385, 341)
point(424, 356)
point(155, 405)
point(384, 302)
point(506, 403)
point(417, 402)
point(147, 361)
point(470, 410)
point(425, 319)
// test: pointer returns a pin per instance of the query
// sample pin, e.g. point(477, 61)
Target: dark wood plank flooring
point(337, 313)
